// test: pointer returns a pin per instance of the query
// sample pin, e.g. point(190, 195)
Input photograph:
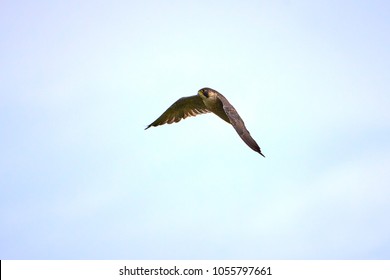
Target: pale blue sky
point(80, 178)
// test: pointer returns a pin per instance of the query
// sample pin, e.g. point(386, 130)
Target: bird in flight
point(207, 100)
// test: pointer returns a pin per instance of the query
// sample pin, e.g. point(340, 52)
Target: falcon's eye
point(205, 93)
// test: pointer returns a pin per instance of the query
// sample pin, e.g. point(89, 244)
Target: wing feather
point(184, 107)
point(238, 124)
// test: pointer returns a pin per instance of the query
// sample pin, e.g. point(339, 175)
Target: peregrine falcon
point(207, 100)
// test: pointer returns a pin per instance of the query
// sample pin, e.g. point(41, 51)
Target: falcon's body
point(207, 100)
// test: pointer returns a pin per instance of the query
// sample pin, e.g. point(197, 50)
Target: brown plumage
point(207, 100)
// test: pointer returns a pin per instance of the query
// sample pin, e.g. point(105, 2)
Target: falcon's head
point(206, 93)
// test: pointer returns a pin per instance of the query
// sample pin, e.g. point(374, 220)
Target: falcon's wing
point(181, 109)
point(238, 124)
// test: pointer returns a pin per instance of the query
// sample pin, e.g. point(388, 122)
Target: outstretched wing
point(181, 109)
point(238, 124)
